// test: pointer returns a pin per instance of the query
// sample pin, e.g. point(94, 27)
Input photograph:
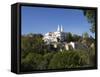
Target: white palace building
point(56, 36)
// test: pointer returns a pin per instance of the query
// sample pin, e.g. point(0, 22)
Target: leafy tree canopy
point(90, 14)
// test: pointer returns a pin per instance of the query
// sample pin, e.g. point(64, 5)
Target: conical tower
point(62, 29)
point(58, 29)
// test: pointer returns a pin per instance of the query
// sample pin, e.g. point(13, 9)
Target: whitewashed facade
point(56, 36)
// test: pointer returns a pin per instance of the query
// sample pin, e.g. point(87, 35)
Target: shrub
point(69, 59)
point(31, 62)
point(45, 62)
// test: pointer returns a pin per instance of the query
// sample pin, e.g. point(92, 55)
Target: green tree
point(90, 14)
point(47, 58)
point(85, 35)
point(87, 40)
point(32, 42)
point(69, 37)
point(69, 59)
point(31, 62)
point(76, 37)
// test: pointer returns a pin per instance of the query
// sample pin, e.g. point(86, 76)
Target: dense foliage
point(36, 55)
point(91, 17)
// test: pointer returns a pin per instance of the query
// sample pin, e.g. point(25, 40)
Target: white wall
point(5, 28)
